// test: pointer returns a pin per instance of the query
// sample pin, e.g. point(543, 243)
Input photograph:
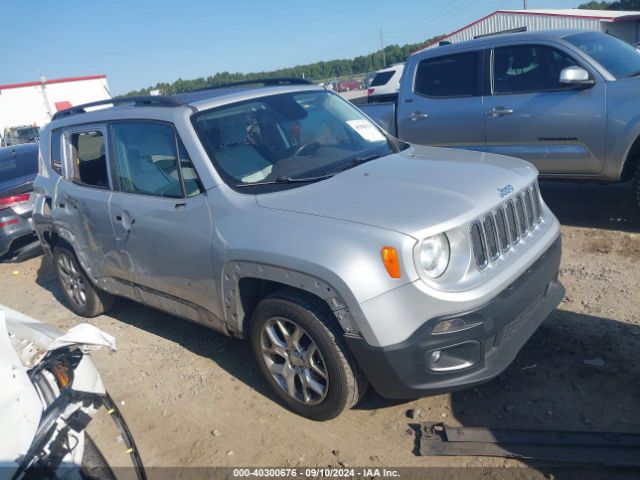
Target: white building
point(34, 103)
point(624, 25)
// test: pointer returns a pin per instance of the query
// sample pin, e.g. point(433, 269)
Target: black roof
point(186, 98)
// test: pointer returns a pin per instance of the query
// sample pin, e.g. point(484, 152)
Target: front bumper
point(502, 327)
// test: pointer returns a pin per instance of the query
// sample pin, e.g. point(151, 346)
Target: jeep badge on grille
point(506, 190)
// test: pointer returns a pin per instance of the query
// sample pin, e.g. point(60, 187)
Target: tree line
point(318, 71)
point(609, 5)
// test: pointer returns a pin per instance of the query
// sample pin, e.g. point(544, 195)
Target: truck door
point(81, 213)
point(160, 215)
point(531, 115)
point(440, 101)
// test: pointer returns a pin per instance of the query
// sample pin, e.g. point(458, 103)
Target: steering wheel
point(305, 146)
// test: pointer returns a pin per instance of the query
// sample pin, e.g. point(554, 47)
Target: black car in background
point(18, 170)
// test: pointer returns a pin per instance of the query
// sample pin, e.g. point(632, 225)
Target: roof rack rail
point(267, 82)
point(148, 100)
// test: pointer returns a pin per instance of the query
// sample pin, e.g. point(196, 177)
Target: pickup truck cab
point(565, 100)
point(279, 213)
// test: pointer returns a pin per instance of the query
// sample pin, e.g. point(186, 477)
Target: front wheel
point(83, 297)
point(301, 353)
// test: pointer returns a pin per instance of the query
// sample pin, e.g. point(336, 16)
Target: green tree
point(324, 70)
point(609, 5)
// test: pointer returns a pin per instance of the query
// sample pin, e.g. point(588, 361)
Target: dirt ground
point(194, 398)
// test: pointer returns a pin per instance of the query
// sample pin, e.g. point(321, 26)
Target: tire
point(82, 296)
point(311, 360)
point(94, 465)
point(635, 192)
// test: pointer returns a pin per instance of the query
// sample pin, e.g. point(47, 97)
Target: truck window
point(56, 151)
point(146, 159)
point(381, 78)
point(528, 68)
point(89, 159)
point(618, 57)
point(449, 76)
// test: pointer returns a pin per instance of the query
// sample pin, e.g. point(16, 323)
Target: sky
point(138, 43)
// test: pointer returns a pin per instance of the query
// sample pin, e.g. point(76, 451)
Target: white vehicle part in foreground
point(24, 342)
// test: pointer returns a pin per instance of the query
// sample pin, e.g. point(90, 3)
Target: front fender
point(623, 128)
point(234, 272)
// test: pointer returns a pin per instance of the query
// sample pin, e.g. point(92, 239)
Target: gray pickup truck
point(281, 214)
point(567, 101)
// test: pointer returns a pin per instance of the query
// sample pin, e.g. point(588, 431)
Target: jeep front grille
point(503, 234)
point(512, 222)
point(479, 245)
point(504, 227)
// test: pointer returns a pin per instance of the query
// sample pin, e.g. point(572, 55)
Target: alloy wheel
point(294, 360)
point(72, 280)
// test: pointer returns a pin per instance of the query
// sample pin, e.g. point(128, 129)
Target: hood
point(419, 188)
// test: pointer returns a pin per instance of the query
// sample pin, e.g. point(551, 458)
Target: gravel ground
point(194, 398)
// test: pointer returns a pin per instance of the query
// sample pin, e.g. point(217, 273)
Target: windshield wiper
point(280, 180)
point(354, 163)
point(634, 74)
point(341, 168)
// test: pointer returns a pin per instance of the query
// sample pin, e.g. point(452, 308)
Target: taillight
point(370, 91)
point(8, 202)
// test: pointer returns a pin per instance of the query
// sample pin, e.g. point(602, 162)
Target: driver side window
point(528, 69)
point(146, 159)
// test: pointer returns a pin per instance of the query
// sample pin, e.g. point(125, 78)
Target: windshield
point(292, 137)
point(619, 58)
point(28, 132)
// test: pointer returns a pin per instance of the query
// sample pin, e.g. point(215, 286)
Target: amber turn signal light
point(61, 372)
point(391, 261)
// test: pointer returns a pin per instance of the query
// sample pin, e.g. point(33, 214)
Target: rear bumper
point(12, 228)
point(502, 327)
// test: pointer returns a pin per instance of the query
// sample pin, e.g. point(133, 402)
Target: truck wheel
point(301, 352)
point(83, 297)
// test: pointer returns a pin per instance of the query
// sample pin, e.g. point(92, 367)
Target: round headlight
point(434, 255)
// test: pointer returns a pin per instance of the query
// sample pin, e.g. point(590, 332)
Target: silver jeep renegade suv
point(280, 213)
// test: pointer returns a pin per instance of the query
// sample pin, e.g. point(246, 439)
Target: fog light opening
point(454, 357)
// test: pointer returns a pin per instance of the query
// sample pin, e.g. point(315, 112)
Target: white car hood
point(404, 192)
point(20, 404)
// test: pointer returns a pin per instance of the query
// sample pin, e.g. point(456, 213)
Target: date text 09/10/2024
point(315, 472)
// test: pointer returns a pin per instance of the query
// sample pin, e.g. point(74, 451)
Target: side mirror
point(576, 76)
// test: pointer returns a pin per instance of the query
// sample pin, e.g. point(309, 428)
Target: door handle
point(414, 116)
point(499, 111)
point(180, 206)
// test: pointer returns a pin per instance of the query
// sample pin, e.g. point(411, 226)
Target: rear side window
point(151, 161)
point(381, 78)
point(56, 151)
point(449, 76)
point(89, 159)
point(528, 68)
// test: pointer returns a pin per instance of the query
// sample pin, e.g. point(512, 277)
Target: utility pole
point(524, 4)
point(384, 59)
